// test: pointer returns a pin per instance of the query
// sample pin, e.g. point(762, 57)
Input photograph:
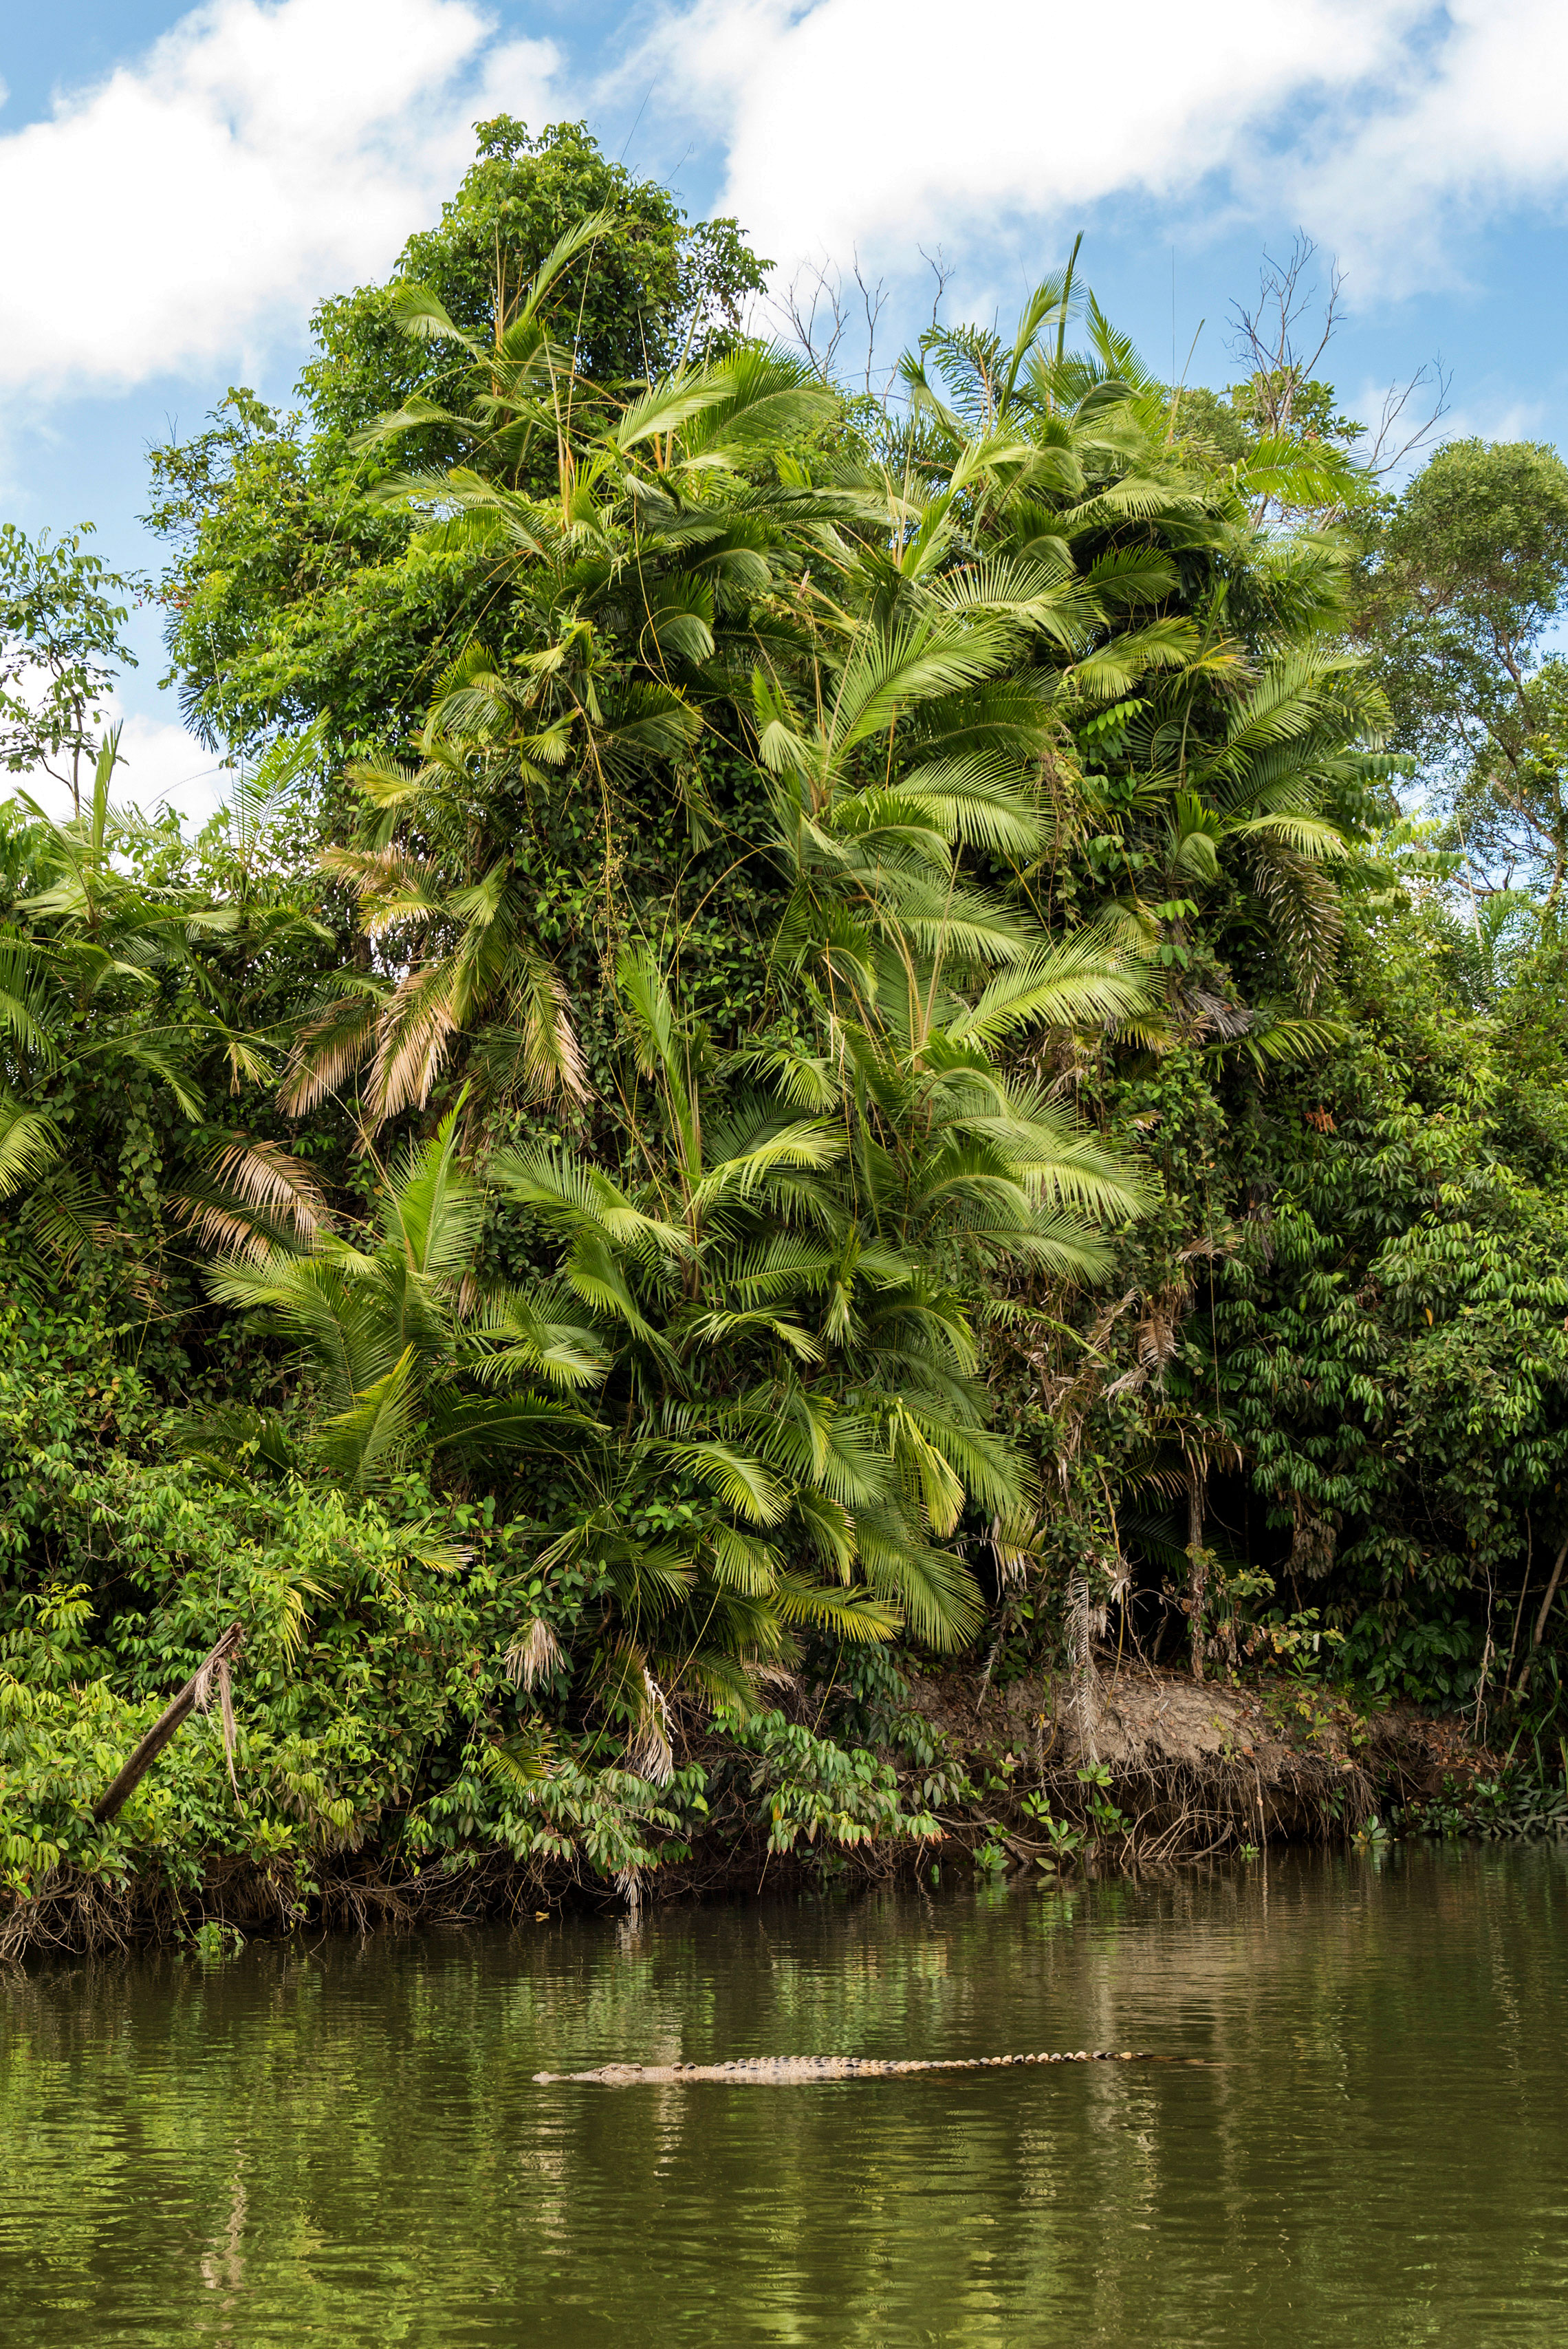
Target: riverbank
point(1198, 1769)
point(1135, 1769)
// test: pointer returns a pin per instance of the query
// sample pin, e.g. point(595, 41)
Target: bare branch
point(1265, 339)
point(1389, 451)
point(819, 310)
point(813, 310)
point(873, 300)
point(941, 269)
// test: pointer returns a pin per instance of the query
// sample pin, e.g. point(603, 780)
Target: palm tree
point(631, 591)
point(396, 1339)
point(1035, 630)
point(459, 918)
point(108, 984)
point(785, 1291)
point(1233, 746)
point(692, 582)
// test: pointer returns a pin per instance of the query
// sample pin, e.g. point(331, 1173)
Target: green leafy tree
point(292, 597)
point(62, 619)
point(132, 1001)
point(1466, 579)
point(652, 292)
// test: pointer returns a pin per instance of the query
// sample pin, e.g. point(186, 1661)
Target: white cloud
point(843, 124)
point(160, 765)
point(1385, 124)
point(179, 215)
point(1499, 420)
point(206, 195)
point(163, 766)
point(1475, 125)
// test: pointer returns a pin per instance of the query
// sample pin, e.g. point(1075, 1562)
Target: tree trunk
point(1197, 1565)
point(164, 1728)
point(1550, 1595)
point(1081, 1648)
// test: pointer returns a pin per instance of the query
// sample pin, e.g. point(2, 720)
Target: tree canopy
point(815, 1029)
point(1465, 583)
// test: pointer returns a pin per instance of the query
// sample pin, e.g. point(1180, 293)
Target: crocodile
point(778, 2071)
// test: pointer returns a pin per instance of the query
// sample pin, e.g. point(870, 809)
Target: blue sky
point(190, 181)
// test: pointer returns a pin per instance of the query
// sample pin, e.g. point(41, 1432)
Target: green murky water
point(344, 2143)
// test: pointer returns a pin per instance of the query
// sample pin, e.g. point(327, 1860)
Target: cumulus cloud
point(840, 124)
point(1384, 123)
point(205, 195)
point(1473, 126)
point(161, 766)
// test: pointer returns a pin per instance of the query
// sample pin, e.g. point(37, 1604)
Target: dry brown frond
point(533, 1655)
point(327, 1052)
point(1160, 1326)
point(412, 1039)
point(389, 882)
point(649, 1753)
point(217, 1669)
point(1206, 1014)
point(1312, 1542)
point(259, 1186)
point(551, 1056)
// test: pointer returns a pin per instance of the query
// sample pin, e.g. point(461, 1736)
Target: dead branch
point(1266, 339)
point(818, 310)
point(873, 301)
point(1271, 344)
point(212, 1669)
point(1389, 451)
point(815, 311)
point(941, 269)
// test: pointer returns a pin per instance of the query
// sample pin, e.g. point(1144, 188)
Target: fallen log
point(213, 1669)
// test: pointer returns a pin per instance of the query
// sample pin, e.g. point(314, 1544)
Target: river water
point(343, 2142)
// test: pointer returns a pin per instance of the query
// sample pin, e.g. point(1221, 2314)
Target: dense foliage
point(812, 1029)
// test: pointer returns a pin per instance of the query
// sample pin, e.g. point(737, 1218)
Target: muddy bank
point(1137, 1769)
point(1194, 1769)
